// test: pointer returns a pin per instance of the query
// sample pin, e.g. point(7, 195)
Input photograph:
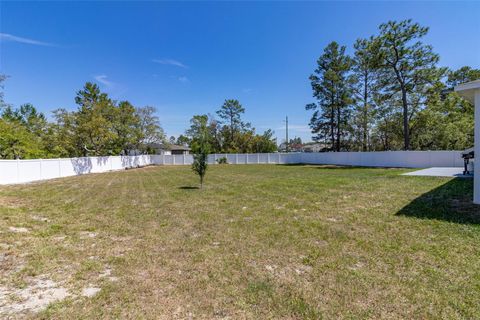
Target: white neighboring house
point(159, 148)
point(313, 147)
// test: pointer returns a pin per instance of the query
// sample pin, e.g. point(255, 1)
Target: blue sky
point(185, 58)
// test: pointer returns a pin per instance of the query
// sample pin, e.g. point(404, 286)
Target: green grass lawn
point(257, 242)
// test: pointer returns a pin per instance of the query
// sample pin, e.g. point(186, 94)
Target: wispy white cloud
point(12, 38)
point(247, 90)
point(103, 79)
point(183, 79)
point(170, 62)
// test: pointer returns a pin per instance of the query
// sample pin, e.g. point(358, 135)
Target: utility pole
point(286, 133)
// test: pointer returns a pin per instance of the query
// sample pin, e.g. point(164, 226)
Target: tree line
point(390, 94)
point(99, 127)
point(227, 133)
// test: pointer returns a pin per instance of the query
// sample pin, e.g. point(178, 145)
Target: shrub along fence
point(21, 171)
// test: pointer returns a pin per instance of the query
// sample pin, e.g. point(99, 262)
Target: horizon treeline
point(390, 94)
point(99, 127)
point(227, 132)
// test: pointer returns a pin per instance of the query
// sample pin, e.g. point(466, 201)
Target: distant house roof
point(171, 147)
point(178, 147)
point(467, 90)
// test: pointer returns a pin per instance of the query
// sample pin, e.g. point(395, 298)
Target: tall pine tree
point(408, 69)
point(331, 87)
point(365, 64)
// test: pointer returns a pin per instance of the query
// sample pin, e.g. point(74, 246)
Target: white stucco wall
point(471, 92)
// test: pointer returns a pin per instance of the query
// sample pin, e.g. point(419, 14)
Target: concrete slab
point(440, 172)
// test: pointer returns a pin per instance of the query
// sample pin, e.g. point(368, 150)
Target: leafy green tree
point(446, 123)
point(201, 138)
point(17, 142)
point(126, 125)
point(67, 141)
point(94, 121)
point(387, 133)
point(182, 140)
point(264, 143)
point(215, 136)
point(230, 114)
point(28, 116)
point(149, 127)
point(331, 86)
point(197, 124)
point(221, 140)
point(407, 68)
point(462, 75)
point(218, 135)
point(23, 132)
point(99, 127)
point(20, 130)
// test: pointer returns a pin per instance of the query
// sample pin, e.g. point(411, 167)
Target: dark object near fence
point(467, 155)
point(222, 160)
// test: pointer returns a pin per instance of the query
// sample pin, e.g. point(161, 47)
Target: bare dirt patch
point(90, 291)
point(87, 234)
point(40, 218)
point(36, 296)
point(18, 229)
point(12, 202)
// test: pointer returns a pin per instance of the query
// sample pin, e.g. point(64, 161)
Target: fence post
point(41, 173)
point(246, 158)
point(59, 168)
point(268, 158)
point(258, 158)
point(184, 159)
point(214, 158)
point(236, 158)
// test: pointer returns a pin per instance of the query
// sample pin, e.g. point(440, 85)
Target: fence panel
point(252, 158)
point(241, 158)
point(50, 169)
point(232, 158)
point(168, 159)
point(188, 159)
point(29, 170)
point(9, 171)
point(178, 159)
point(262, 158)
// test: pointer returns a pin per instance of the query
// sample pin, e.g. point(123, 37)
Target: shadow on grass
point(450, 202)
point(188, 188)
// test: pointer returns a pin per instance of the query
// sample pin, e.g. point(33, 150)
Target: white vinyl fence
point(404, 159)
point(21, 171)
